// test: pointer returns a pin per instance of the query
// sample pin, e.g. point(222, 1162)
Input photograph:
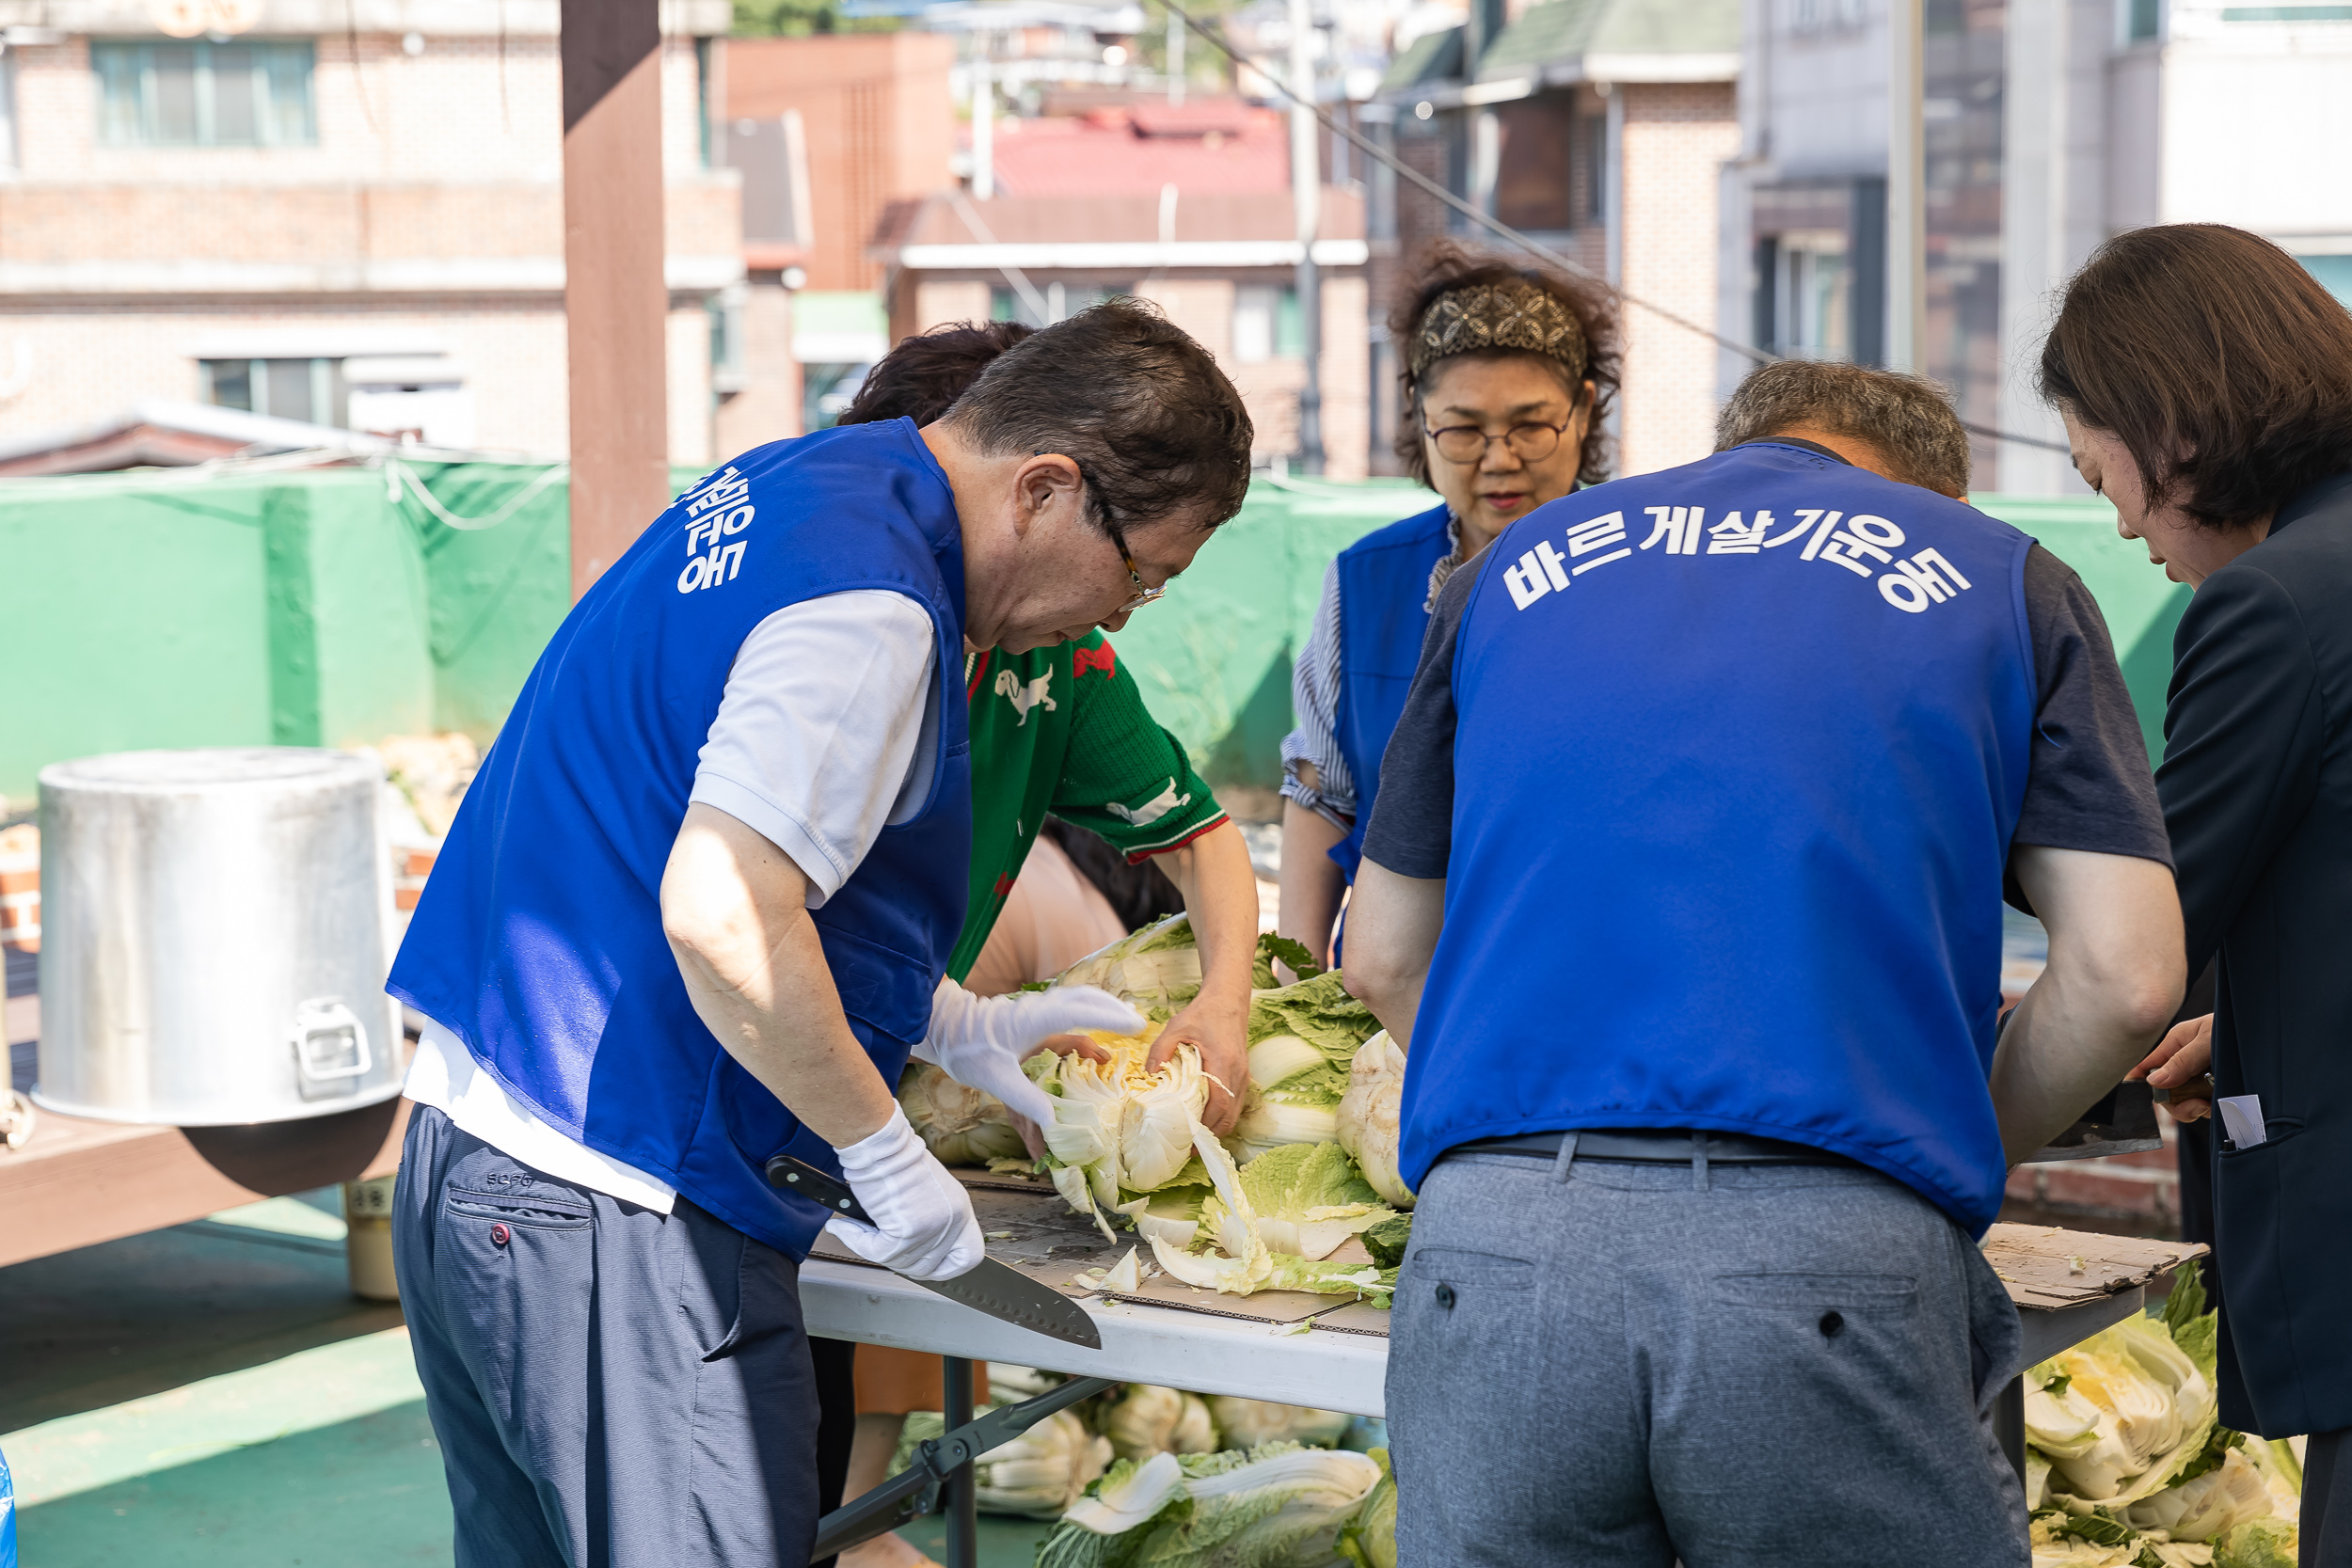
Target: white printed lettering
point(1871, 536)
point(1926, 579)
point(1732, 537)
point(1804, 521)
point(1612, 555)
point(1526, 580)
point(1597, 534)
point(1679, 526)
point(1829, 521)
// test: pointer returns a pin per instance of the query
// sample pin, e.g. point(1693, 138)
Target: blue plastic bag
point(7, 1516)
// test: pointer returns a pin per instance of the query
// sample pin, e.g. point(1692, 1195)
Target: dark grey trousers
point(2327, 1517)
point(1791, 1366)
point(611, 1387)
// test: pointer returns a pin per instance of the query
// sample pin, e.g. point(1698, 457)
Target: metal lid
point(210, 768)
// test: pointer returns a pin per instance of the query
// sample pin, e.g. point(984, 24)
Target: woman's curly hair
point(1449, 264)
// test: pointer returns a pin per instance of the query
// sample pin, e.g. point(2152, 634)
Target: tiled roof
point(1560, 31)
point(1126, 217)
point(1119, 153)
point(1431, 57)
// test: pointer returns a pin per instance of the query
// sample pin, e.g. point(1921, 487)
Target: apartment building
point(1599, 128)
point(1186, 205)
point(348, 213)
point(2049, 127)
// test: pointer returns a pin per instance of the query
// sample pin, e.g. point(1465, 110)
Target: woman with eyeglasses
point(1508, 372)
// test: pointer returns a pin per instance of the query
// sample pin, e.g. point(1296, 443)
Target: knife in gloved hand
point(993, 1288)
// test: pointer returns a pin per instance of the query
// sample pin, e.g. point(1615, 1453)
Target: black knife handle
point(799, 1176)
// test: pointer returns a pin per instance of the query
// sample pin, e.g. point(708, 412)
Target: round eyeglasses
point(1466, 443)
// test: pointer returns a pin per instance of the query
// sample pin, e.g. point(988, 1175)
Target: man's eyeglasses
point(1143, 595)
point(1118, 541)
point(1466, 443)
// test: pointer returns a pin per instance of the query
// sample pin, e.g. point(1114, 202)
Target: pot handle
point(319, 1053)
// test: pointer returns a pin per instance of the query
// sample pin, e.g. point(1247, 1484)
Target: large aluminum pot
point(213, 942)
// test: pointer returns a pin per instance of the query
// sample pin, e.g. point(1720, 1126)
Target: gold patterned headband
point(1512, 315)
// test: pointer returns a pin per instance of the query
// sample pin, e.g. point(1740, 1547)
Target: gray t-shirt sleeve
point(1411, 831)
point(2088, 784)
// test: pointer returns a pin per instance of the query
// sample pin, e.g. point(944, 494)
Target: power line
point(1535, 247)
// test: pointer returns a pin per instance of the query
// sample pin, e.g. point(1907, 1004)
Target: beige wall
point(1269, 388)
point(458, 112)
point(769, 406)
point(91, 363)
point(427, 218)
point(1677, 139)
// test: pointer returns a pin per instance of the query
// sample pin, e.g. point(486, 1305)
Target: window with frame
point(1266, 323)
point(311, 390)
point(204, 94)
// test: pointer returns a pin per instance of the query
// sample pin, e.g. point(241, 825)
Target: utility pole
point(617, 304)
point(983, 124)
point(1906, 187)
point(1175, 60)
point(1307, 206)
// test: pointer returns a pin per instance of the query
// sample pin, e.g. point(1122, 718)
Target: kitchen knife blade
point(993, 1288)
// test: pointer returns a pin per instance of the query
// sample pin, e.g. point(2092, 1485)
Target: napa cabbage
point(959, 1125)
point(1038, 1475)
point(1318, 1011)
point(1246, 1423)
point(1149, 1420)
point(1120, 1126)
point(1308, 1199)
point(1274, 1506)
point(1158, 968)
point(1369, 1114)
point(2261, 1544)
point(1369, 1539)
point(2230, 1495)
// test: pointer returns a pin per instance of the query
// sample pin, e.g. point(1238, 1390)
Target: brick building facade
point(1600, 130)
point(351, 217)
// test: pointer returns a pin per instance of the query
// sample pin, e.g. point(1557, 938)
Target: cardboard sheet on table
point(2046, 1267)
point(1036, 1234)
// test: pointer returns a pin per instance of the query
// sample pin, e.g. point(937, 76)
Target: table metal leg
point(2009, 1424)
point(962, 1501)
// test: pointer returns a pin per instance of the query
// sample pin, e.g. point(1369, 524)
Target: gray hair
point(1908, 418)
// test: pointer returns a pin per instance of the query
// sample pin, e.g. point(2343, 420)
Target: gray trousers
point(611, 1387)
point(1792, 1365)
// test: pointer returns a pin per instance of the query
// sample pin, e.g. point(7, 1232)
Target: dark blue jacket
point(2257, 788)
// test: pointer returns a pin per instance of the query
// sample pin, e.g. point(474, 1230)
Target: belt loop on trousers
point(1698, 1161)
point(1567, 1157)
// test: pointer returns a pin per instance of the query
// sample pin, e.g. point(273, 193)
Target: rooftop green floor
point(211, 1396)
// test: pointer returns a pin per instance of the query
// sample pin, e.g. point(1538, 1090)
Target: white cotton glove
point(980, 1041)
point(923, 1226)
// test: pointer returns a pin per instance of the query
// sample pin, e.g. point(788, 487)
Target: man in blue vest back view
point(1683, 893)
point(695, 912)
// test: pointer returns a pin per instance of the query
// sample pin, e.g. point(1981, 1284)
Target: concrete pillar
point(615, 303)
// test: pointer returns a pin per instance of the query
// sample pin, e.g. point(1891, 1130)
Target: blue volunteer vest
point(1741, 749)
point(1384, 584)
point(539, 942)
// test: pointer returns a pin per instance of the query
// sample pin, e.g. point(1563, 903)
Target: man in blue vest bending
point(1683, 892)
point(695, 913)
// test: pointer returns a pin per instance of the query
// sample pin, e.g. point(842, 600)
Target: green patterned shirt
point(1063, 729)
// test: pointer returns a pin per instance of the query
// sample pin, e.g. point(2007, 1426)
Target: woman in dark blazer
point(2207, 383)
